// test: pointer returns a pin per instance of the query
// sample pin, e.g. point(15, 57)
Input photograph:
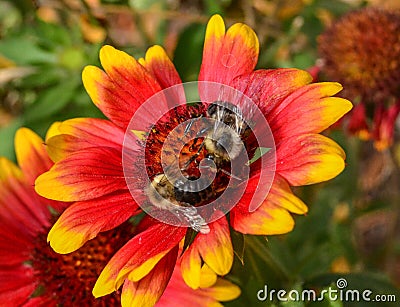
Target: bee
point(223, 141)
point(193, 191)
point(179, 199)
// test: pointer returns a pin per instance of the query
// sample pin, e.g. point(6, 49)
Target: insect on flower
point(223, 139)
point(221, 128)
point(177, 199)
point(224, 142)
point(134, 95)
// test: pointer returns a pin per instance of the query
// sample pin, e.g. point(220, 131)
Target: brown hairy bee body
point(189, 185)
point(193, 191)
point(224, 140)
point(164, 195)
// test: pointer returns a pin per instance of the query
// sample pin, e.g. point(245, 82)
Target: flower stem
point(261, 250)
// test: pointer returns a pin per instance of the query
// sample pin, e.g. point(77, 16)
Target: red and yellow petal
point(53, 130)
point(228, 55)
point(82, 133)
point(191, 267)
point(9, 170)
point(272, 217)
point(62, 145)
point(268, 219)
point(148, 290)
point(163, 70)
point(138, 257)
point(115, 103)
point(318, 110)
point(281, 195)
point(223, 290)
point(194, 273)
point(268, 87)
point(160, 67)
point(308, 159)
point(84, 175)
point(179, 294)
point(20, 207)
point(83, 220)
point(207, 276)
point(214, 248)
point(31, 154)
point(120, 91)
point(94, 130)
point(357, 123)
point(384, 126)
point(127, 73)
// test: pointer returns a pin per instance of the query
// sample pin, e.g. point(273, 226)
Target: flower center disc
point(69, 279)
point(187, 151)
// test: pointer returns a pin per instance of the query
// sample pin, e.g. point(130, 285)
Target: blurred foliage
point(352, 228)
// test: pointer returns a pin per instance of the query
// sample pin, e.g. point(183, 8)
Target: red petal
point(138, 257)
point(308, 159)
point(383, 128)
point(149, 289)
point(228, 55)
point(31, 154)
point(122, 89)
point(160, 66)
point(84, 175)
point(308, 110)
point(21, 207)
point(82, 221)
point(82, 133)
point(268, 87)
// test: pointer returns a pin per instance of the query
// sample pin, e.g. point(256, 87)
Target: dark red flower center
point(68, 279)
point(361, 51)
point(190, 149)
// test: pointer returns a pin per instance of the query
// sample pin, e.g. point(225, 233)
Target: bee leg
point(229, 174)
point(187, 128)
point(192, 158)
point(198, 224)
point(195, 220)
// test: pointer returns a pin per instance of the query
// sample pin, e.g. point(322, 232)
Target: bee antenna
point(231, 175)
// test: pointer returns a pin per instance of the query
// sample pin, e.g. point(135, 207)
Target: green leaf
point(7, 139)
point(260, 151)
point(44, 76)
point(213, 7)
point(238, 244)
point(258, 246)
point(52, 100)
point(24, 51)
point(53, 35)
point(187, 57)
point(144, 4)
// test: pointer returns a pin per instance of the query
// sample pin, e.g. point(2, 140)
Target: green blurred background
point(352, 229)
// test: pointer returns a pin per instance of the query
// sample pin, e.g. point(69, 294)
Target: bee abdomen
point(192, 191)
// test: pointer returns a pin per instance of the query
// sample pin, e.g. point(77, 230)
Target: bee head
point(160, 180)
point(227, 113)
point(222, 107)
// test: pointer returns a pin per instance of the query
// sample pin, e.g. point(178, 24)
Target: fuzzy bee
point(223, 139)
point(179, 199)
